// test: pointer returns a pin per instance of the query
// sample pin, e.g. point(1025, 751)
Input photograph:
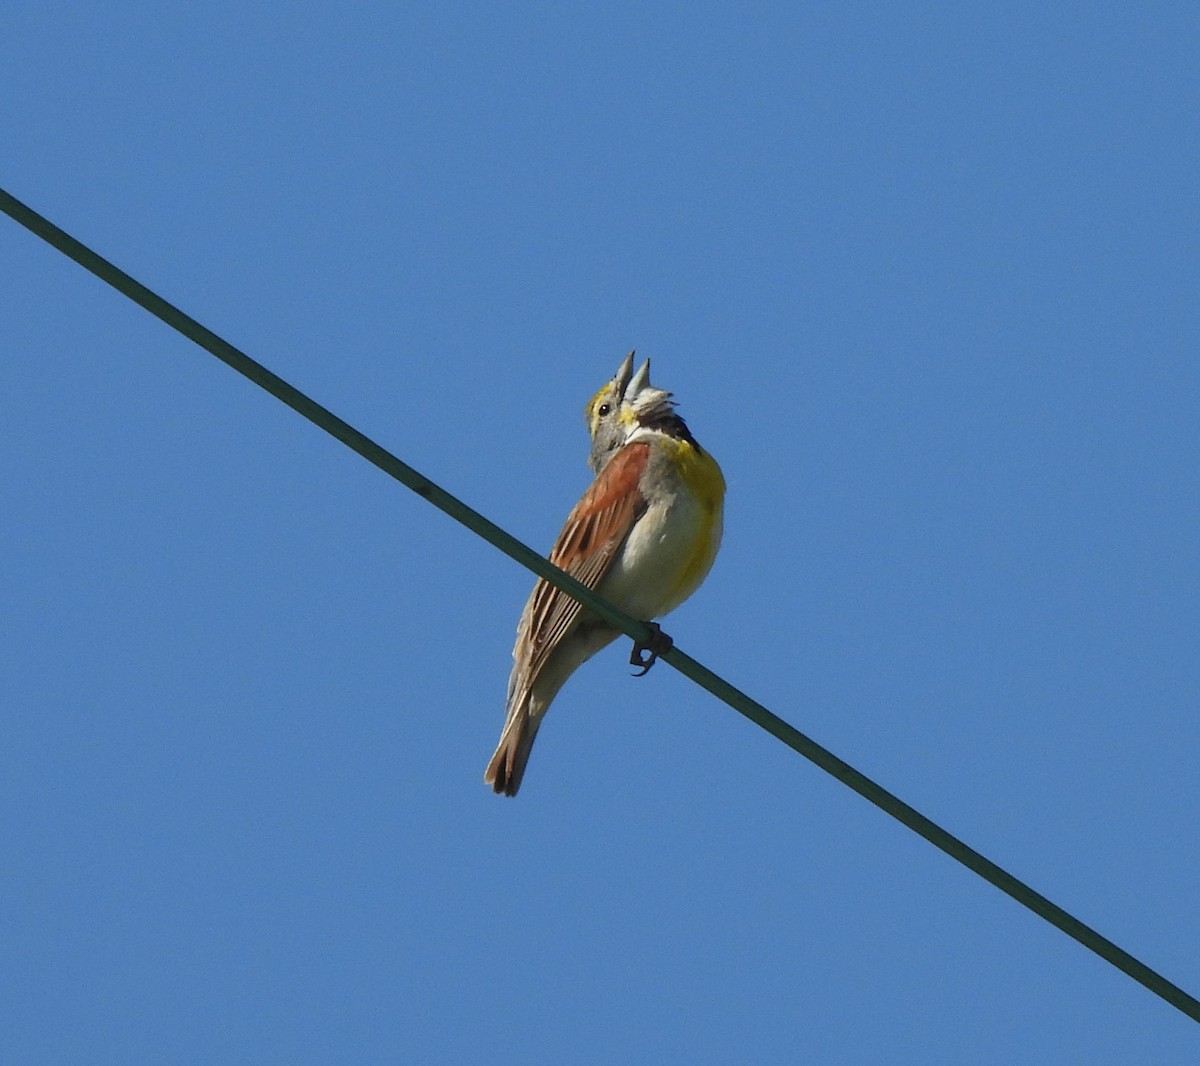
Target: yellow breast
point(701, 477)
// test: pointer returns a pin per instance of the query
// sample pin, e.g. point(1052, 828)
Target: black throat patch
point(672, 425)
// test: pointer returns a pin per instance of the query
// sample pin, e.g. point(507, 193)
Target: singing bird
point(644, 536)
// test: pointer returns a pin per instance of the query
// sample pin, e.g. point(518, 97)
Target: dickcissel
point(644, 536)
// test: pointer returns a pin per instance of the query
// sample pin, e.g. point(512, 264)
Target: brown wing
point(586, 547)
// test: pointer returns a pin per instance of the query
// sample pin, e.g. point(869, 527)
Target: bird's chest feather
point(668, 552)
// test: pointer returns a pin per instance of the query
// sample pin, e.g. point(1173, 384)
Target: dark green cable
point(317, 414)
point(633, 628)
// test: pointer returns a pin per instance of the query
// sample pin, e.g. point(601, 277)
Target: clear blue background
point(923, 277)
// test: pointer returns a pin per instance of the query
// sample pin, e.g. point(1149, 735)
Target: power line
point(632, 627)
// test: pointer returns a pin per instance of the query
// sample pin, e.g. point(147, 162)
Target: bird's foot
point(645, 654)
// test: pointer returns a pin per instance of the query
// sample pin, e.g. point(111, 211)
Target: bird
point(643, 536)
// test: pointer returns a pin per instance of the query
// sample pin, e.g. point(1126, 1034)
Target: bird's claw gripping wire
point(645, 653)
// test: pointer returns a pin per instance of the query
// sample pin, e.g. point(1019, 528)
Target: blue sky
point(923, 278)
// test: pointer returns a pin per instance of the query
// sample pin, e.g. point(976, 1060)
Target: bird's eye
point(605, 408)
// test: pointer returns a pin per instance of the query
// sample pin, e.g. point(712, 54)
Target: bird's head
point(625, 402)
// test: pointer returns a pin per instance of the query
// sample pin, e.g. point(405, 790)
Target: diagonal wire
point(632, 627)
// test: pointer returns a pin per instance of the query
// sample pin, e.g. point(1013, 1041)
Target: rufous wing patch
point(586, 547)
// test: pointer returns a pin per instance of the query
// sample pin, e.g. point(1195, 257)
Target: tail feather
point(507, 767)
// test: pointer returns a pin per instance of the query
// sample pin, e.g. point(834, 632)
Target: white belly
point(650, 576)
